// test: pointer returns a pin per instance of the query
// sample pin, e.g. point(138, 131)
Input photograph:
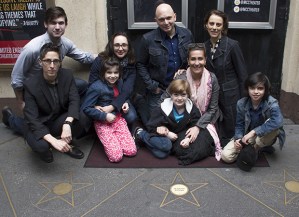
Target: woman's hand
point(125, 107)
point(179, 72)
point(192, 133)
point(110, 118)
point(162, 131)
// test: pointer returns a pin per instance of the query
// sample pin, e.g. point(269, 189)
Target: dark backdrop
point(262, 48)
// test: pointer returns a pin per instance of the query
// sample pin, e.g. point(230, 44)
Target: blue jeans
point(160, 146)
point(131, 116)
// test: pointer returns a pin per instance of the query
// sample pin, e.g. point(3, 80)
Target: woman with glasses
point(204, 140)
point(120, 47)
point(225, 59)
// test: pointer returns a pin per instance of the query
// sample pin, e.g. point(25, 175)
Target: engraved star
point(179, 190)
point(290, 186)
point(62, 190)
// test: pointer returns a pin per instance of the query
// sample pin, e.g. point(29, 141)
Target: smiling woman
point(225, 59)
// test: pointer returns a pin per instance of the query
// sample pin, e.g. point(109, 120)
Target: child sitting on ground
point(259, 122)
point(111, 128)
point(169, 124)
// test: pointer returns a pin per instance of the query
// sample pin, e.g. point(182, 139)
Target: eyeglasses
point(48, 62)
point(117, 46)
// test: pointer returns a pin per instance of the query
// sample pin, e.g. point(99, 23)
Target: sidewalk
point(29, 187)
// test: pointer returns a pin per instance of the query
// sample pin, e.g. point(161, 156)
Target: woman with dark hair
point(225, 59)
point(119, 47)
point(204, 140)
point(259, 120)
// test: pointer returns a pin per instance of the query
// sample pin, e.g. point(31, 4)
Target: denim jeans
point(160, 146)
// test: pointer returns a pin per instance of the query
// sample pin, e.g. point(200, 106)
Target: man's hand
point(61, 145)
point(192, 133)
point(66, 134)
point(125, 107)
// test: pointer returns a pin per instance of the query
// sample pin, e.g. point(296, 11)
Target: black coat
point(39, 103)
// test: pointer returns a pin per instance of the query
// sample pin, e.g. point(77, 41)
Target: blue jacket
point(152, 60)
point(128, 77)
point(99, 93)
point(271, 113)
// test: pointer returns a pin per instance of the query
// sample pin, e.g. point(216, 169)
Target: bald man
point(162, 52)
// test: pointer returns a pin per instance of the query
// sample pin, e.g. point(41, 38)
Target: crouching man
point(51, 108)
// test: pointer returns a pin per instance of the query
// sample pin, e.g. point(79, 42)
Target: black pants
point(201, 148)
point(55, 128)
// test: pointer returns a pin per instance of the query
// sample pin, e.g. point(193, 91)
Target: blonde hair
point(179, 86)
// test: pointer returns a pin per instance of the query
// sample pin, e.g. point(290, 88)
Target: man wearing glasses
point(51, 108)
point(162, 52)
point(28, 64)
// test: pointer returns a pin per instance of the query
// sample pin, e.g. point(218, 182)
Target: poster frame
point(253, 25)
point(132, 24)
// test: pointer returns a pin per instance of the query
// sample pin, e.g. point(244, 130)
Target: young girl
point(259, 119)
point(110, 127)
point(169, 124)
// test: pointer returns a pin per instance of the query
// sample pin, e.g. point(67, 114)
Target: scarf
point(124, 62)
point(201, 97)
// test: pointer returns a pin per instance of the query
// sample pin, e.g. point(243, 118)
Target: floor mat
point(144, 159)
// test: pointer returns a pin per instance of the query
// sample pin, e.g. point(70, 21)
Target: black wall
point(262, 48)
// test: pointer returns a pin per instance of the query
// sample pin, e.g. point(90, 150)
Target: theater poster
point(20, 21)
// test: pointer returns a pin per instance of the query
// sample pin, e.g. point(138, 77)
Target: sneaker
point(268, 149)
point(136, 137)
point(6, 114)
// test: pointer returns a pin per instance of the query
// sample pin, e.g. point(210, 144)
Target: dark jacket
point(152, 60)
point(163, 116)
point(128, 77)
point(230, 69)
point(272, 117)
point(99, 93)
point(39, 101)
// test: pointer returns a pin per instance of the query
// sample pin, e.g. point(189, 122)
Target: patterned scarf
point(201, 97)
point(124, 62)
point(213, 50)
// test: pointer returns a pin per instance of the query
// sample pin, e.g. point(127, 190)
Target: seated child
point(111, 128)
point(170, 123)
point(259, 120)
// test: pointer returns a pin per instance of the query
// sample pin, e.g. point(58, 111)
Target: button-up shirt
point(174, 59)
point(27, 63)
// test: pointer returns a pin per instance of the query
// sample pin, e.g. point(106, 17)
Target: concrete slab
point(29, 187)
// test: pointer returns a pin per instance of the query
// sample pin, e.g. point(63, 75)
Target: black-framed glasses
point(117, 46)
point(48, 62)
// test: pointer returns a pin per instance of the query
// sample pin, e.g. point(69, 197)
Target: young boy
point(259, 121)
point(169, 123)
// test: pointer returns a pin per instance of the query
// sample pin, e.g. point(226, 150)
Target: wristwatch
point(68, 122)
